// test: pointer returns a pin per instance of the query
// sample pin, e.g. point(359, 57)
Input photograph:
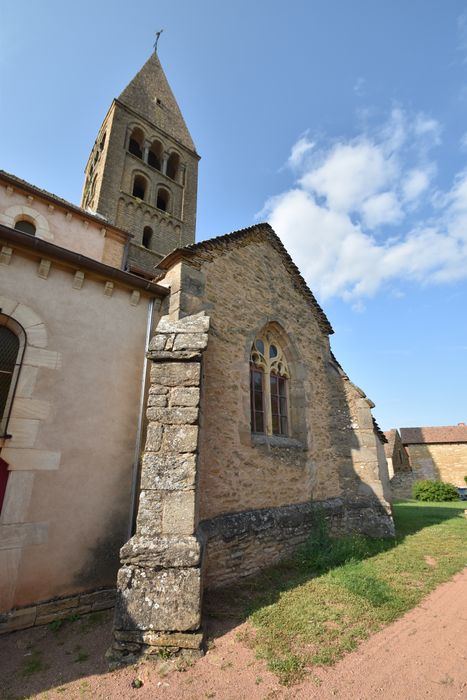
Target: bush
point(434, 491)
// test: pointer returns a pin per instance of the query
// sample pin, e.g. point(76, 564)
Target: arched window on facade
point(269, 377)
point(25, 226)
point(173, 165)
point(139, 187)
point(155, 155)
point(12, 347)
point(147, 236)
point(136, 142)
point(163, 199)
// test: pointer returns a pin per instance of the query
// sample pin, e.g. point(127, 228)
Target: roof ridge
point(264, 228)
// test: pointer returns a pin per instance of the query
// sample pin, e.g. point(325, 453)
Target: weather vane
point(158, 34)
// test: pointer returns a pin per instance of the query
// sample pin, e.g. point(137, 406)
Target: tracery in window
point(269, 375)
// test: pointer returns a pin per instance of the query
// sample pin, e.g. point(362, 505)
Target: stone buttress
point(159, 586)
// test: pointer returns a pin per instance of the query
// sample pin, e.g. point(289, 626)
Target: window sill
point(276, 441)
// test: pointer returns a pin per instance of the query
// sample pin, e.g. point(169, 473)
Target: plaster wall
point(61, 226)
point(73, 427)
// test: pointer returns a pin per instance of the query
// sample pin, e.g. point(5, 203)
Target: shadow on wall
point(102, 560)
point(339, 467)
point(228, 607)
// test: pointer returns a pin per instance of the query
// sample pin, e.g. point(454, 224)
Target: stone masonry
point(159, 587)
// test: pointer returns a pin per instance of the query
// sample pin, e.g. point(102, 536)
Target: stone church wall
point(218, 502)
point(332, 454)
point(446, 462)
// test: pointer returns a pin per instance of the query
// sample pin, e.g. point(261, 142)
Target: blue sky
point(342, 123)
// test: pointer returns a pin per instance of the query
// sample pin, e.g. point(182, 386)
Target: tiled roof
point(252, 234)
point(437, 434)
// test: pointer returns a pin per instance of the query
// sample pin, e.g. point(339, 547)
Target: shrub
point(465, 479)
point(427, 490)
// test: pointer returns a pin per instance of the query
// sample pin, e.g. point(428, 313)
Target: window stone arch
point(140, 187)
point(293, 371)
point(12, 349)
point(21, 211)
point(136, 141)
point(163, 199)
point(173, 165)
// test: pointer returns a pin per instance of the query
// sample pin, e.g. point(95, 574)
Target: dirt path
point(423, 655)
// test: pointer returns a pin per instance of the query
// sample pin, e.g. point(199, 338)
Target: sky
point(343, 124)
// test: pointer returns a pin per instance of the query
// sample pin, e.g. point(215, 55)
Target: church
point(172, 416)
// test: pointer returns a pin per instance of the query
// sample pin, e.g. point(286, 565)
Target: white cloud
point(348, 221)
point(381, 209)
point(416, 182)
point(298, 152)
point(428, 127)
point(348, 175)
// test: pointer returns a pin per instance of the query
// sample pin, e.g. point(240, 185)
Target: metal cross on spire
point(158, 34)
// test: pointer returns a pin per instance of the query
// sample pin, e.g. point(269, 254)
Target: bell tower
point(142, 174)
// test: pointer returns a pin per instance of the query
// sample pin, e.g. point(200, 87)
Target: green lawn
point(315, 608)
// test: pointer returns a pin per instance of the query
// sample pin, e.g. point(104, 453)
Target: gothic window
point(269, 375)
point(163, 198)
point(155, 155)
point(147, 236)
point(173, 165)
point(135, 144)
point(139, 187)
point(12, 346)
point(25, 226)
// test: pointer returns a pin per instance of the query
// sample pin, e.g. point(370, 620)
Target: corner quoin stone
point(176, 373)
point(168, 472)
point(159, 587)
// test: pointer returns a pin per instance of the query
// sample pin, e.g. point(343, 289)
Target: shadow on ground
point(37, 660)
point(228, 607)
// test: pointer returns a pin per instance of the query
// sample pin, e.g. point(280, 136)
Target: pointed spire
point(149, 95)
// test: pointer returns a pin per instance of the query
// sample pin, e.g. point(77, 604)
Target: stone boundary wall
point(57, 609)
point(240, 544)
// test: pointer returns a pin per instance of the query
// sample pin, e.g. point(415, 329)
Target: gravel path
point(422, 655)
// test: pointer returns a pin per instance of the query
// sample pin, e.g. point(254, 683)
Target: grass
point(33, 664)
point(336, 592)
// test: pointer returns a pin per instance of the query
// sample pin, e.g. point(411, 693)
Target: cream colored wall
point(60, 226)
point(447, 462)
point(74, 425)
point(245, 289)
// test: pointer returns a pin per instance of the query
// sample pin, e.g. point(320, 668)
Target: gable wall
point(246, 288)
